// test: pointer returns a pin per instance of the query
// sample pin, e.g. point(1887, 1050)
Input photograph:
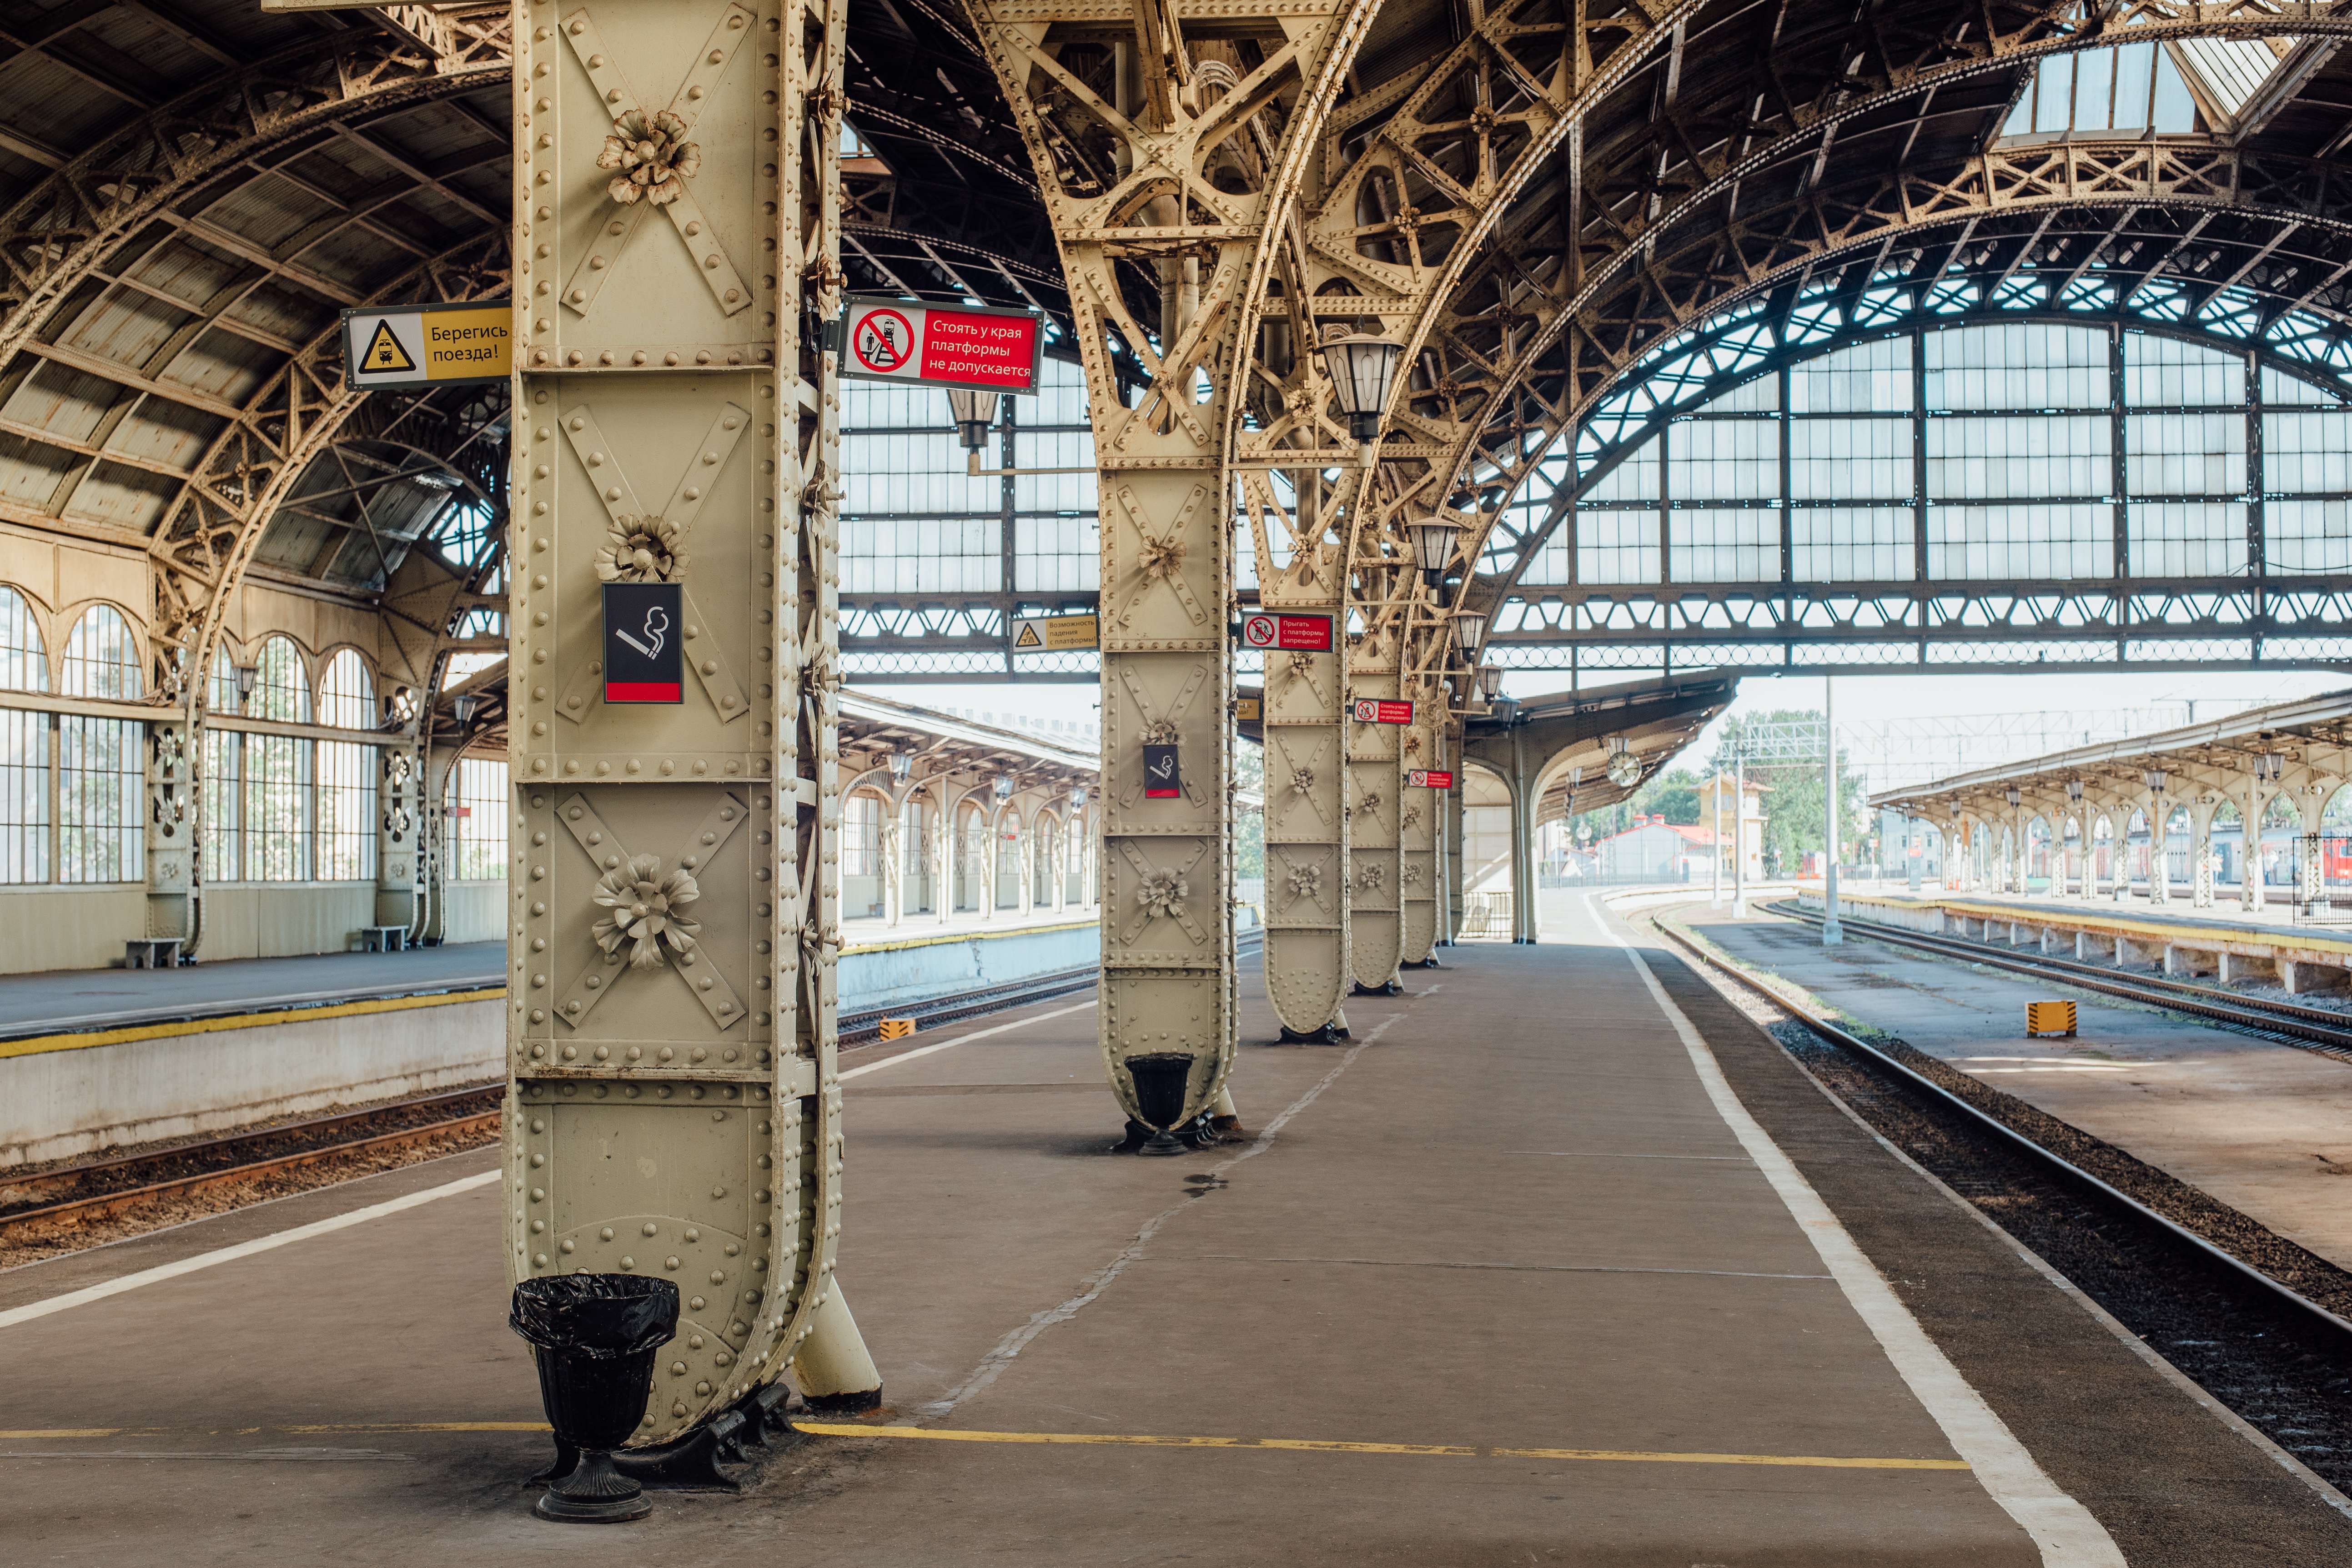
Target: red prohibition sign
point(878, 349)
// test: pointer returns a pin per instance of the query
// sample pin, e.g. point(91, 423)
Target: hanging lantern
point(901, 764)
point(974, 412)
point(1362, 368)
point(1432, 546)
point(1490, 682)
point(2074, 789)
point(1469, 631)
point(2154, 779)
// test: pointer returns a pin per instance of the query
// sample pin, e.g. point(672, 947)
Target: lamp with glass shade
point(1362, 368)
point(1469, 631)
point(974, 413)
point(1432, 546)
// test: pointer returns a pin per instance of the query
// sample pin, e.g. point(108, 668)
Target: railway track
point(130, 1181)
point(2311, 1029)
point(2326, 1330)
point(63, 1197)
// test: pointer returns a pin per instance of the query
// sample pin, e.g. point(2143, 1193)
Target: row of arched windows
point(1040, 848)
point(278, 808)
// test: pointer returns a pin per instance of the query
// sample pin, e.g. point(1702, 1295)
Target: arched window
point(102, 659)
point(278, 771)
point(24, 661)
point(861, 856)
point(222, 697)
point(347, 693)
point(477, 839)
point(281, 690)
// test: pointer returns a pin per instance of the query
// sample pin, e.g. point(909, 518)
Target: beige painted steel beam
point(672, 1108)
point(1173, 155)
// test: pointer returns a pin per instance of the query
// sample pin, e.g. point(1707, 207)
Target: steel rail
point(2307, 1028)
point(2335, 1329)
point(98, 1205)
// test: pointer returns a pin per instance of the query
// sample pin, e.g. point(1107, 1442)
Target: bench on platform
point(383, 939)
point(151, 952)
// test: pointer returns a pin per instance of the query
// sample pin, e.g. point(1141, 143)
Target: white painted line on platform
point(259, 1244)
point(2066, 1533)
point(964, 1039)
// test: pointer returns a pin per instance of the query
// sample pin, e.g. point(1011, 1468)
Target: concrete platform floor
point(1504, 1268)
point(2263, 1127)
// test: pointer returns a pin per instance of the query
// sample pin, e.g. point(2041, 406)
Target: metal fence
point(1486, 915)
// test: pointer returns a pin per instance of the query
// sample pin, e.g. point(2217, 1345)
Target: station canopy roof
point(2304, 748)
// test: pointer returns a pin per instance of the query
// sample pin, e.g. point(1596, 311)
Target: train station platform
point(1481, 1287)
point(2265, 945)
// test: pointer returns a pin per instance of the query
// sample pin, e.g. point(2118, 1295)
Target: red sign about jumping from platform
point(893, 340)
point(1429, 778)
point(1380, 710)
point(1299, 634)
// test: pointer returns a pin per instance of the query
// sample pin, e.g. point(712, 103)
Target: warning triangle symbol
point(1028, 638)
point(384, 353)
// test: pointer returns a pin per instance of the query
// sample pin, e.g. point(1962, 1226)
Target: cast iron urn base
point(1160, 1079)
point(594, 1337)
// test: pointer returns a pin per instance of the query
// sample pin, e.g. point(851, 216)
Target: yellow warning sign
point(1249, 709)
point(384, 353)
point(427, 345)
point(1055, 634)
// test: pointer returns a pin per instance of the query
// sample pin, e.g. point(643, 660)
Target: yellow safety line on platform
point(39, 1044)
point(1093, 1439)
point(1323, 1446)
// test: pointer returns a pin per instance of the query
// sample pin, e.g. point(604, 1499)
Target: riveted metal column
point(399, 827)
point(1375, 922)
point(1423, 747)
point(1205, 142)
point(1305, 775)
point(174, 746)
point(672, 1108)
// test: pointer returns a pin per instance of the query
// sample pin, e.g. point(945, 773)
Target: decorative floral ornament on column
point(1371, 801)
point(1159, 732)
point(1411, 814)
point(1302, 780)
point(1370, 878)
point(1164, 893)
point(1411, 875)
point(655, 159)
point(1307, 882)
point(642, 549)
point(1412, 743)
point(1160, 559)
point(645, 909)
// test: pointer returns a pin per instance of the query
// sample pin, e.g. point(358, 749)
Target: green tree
point(1793, 813)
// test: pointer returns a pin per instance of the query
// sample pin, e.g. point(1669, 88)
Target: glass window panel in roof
point(2307, 536)
point(2020, 457)
point(1617, 546)
point(2280, 388)
point(1728, 544)
point(1852, 544)
point(1723, 459)
point(2185, 454)
point(1861, 459)
point(1063, 554)
point(1635, 478)
point(2304, 452)
point(1872, 377)
point(2027, 543)
point(2017, 364)
point(2186, 539)
point(1053, 449)
point(2165, 373)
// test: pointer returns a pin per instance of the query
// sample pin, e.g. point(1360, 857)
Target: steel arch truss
point(63, 228)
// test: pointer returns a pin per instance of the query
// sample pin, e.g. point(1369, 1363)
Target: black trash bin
point(594, 1337)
